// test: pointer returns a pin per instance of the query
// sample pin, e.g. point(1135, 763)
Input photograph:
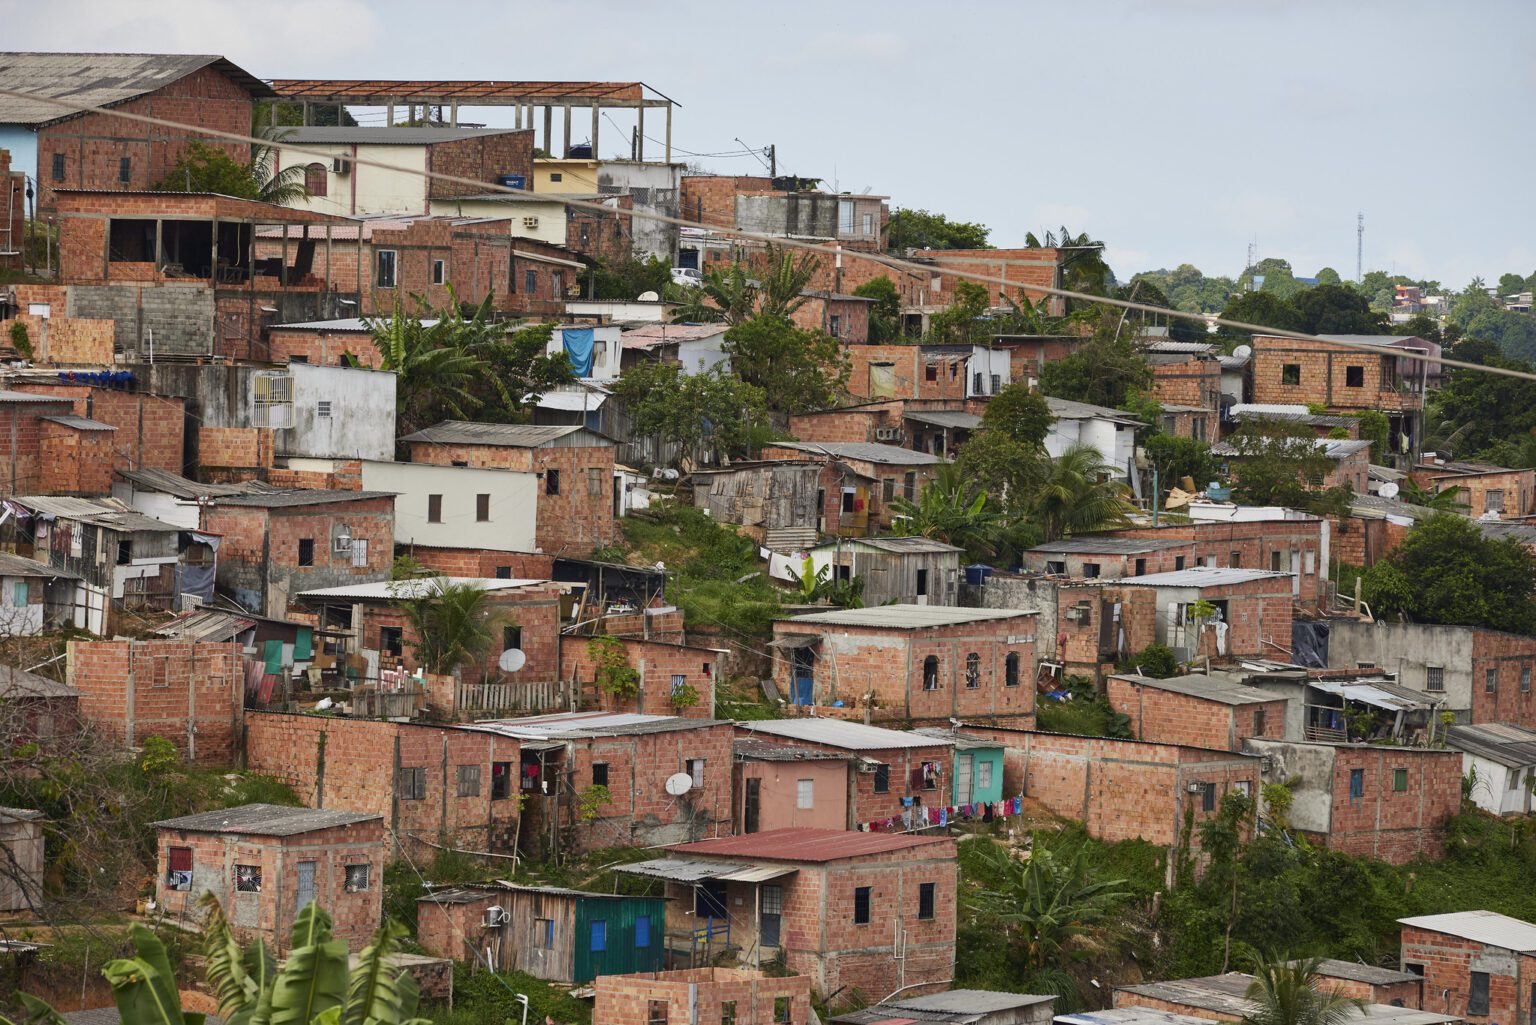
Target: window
point(931, 372)
point(247, 878)
point(1290, 373)
point(19, 598)
point(356, 880)
point(511, 636)
point(849, 499)
point(861, 905)
point(925, 900)
point(1477, 994)
point(869, 224)
point(931, 673)
point(1274, 561)
point(1493, 500)
point(323, 409)
point(909, 486)
point(392, 640)
point(1090, 570)
point(1141, 568)
point(412, 783)
point(125, 551)
point(124, 170)
point(557, 283)
point(781, 1010)
point(306, 551)
point(695, 768)
point(983, 771)
point(1178, 562)
point(888, 489)
point(1525, 676)
point(845, 217)
point(922, 582)
point(385, 259)
point(544, 932)
point(178, 866)
point(482, 508)
point(469, 781)
point(1434, 678)
point(58, 167)
point(530, 280)
point(599, 936)
point(1399, 780)
point(556, 176)
point(1207, 796)
point(594, 481)
point(679, 681)
point(927, 776)
point(805, 794)
point(1354, 377)
point(642, 930)
point(1514, 779)
point(501, 781)
point(434, 508)
point(1491, 680)
point(972, 671)
point(439, 271)
point(503, 572)
point(551, 481)
point(727, 1012)
point(835, 326)
point(586, 235)
point(1011, 670)
point(1356, 784)
point(1056, 567)
point(599, 774)
point(882, 778)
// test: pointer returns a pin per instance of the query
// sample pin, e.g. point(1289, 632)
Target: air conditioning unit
point(887, 433)
point(530, 222)
point(868, 765)
point(342, 544)
point(1196, 788)
point(496, 916)
point(341, 165)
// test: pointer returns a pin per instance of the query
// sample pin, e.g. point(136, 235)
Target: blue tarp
point(578, 346)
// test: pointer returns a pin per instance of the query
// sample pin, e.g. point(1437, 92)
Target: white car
point(688, 276)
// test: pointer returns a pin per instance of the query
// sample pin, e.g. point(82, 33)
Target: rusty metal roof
point(382, 91)
point(816, 845)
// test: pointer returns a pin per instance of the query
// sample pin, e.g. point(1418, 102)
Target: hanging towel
point(1018, 805)
point(578, 346)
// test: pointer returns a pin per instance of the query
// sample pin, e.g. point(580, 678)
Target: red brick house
point(836, 905)
point(1195, 710)
point(1224, 998)
point(1371, 983)
point(859, 481)
point(55, 451)
point(843, 316)
point(100, 151)
point(1478, 965)
point(1484, 490)
point(884, 776)
point(690, 995)
point(925, 663)
point(576, 498)
point(675, 679)
point(1252, 611)
point(1373, 800)
point(1120, 789)
point(1109, 556)
point(265, 863)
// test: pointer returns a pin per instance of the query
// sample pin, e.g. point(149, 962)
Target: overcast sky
point(1174, 130)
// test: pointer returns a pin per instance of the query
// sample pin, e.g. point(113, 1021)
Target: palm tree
point(1446, 500)
point(787, 277)
point(454, 624)
point(1079, 494)
point(950, 509)
point(1286, 993)
point(727, 295)
point(1082, 261)
point(311, 987)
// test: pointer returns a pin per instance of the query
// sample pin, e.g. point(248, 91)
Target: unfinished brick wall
point(661, 667)
point(1290, 545)
point(1448, 963)
point(324, 348)
point(605, 235)
point(1388, 824)
point(534, 610)
point(475, 562)
point(1168, 717)
point(222, 450)
point(1502, 668)
point(76, 461)
point(1510, 493)
point(1192, 382)
point(699, 995)
point(841, 316)
point(905, 372)
point(192, 694)
point(60, 340)
point(711, 199)
point(149, 427)
point(1322, 375)
point(857, 424)
point(481, 158)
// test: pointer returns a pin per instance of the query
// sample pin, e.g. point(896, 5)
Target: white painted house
point(459, 506)
point(1110, 431)
point(1501, 759)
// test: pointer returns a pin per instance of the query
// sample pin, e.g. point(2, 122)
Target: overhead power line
point(881, 259)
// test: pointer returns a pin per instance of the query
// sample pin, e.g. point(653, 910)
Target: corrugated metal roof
point(1378, 694)
point(651, 335)
point(205, 625)
point(12, 565)
point(108, 513)
point(850, 736)
point(1374, 975)
point(907, 617)
point(266, 820)
point(894, 545)
point(461, 432)
point(18, 683)
point(693, 870)
point(1066, 409)
point(952, 419)
point(1109, 545)
point(1505, 743)
point(21, 814)
point(966, 1001)
point(1223, 993)
point(570, 401)
point(79, 423)
point(363, 135)
point(811, 845)
point(1208, 688)
point(1333, 448)
point(1129, 1016)
point(865, 451)
point(7, 395)
point(175, 484)
point(410, 590)
point(962, 741)
point(769, 751)
point(576, 725)
point(300, 497)
point(342, 325)
point(1290, 414)
point(1202, 576)
point(479, 891)
point(99, 80)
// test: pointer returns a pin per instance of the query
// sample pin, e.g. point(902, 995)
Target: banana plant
point(312, 986)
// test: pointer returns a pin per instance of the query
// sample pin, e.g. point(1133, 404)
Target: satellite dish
point(512, 660)
point(648, 297)
point(1243, 351)
point(1388, 490)
point(679, 783)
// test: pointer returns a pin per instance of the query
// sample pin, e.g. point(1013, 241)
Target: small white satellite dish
point(647, 297)
point(512, 660)
point(679, 783)
point(1243, 351)
point(323, 704)
point(1388, 490)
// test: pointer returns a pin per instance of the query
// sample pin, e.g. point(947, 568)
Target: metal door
point(750, 805)
point(773, 906)
point(306, 888)
point(804, 677)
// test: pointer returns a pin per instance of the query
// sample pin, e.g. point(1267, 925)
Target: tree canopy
point(1105, 370)
point(884, 312)
point(1278, 463)
point(796, 369)
point(919, 229)
point(1448, 571)
point(713, 412)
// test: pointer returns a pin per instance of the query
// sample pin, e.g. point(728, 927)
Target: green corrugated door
point(616, 937)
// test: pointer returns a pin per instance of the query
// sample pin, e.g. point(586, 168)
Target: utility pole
point(773, 160)
point(1360, 249)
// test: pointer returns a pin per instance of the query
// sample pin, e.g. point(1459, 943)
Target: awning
point(1367, 694)
point(796, 641)
point(692, 870)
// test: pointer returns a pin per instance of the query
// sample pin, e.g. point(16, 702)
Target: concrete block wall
point(176, 319)
point(1167, 717)
point(1388, 824)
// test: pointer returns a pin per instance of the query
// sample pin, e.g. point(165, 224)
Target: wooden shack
point(908, 570)
point(21, 836)
point(777, 502)
point(568, 936)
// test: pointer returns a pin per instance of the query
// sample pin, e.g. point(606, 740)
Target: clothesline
point(916, 817)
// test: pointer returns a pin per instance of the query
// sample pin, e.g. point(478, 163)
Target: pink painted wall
point(779, 787)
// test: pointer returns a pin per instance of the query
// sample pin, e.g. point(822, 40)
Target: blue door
point(803, 681)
